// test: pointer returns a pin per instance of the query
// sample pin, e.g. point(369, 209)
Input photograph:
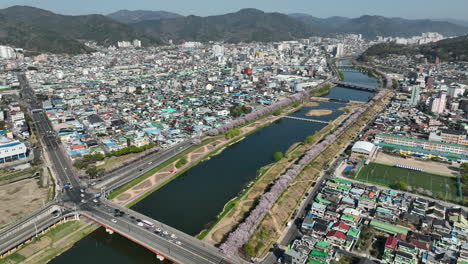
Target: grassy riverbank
point(57, 240)
point(274, 223)
point(236, 209)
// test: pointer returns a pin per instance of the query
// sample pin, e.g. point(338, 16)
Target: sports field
point(385, 175)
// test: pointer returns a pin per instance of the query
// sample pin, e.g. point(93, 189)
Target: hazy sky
point(457, 9)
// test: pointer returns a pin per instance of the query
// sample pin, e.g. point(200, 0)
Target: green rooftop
point(314, 261)
point(389, 228)
point(318, 254)
point(354, 232)
point(322, 244)
point(342, 181)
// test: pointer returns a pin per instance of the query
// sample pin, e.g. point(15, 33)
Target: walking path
point(195, 156)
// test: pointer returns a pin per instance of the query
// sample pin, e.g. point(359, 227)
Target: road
point(181, 248)
point(126, 174)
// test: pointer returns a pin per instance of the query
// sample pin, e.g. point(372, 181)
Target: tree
point(341, 75)
point(95, 172)
point(182, 161)
point(400, 186)
point(464, 166)
point(395, 84)
point(80, 164)
point(278, 156)
point(277, 112)
point(232, 133)
point(309, 139)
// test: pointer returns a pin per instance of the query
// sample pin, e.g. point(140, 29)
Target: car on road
point(95, 200)
point(113, 220)
point(83, 200)
point(178, 242)
point(81, 190)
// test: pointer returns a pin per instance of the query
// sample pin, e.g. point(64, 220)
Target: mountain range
point(373, 26)
point(43, 31)
point(246, 25)
point(129, 17)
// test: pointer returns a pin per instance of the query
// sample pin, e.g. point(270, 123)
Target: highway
point(126, 174)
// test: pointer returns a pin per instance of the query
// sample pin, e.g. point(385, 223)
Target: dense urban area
point(320, 149)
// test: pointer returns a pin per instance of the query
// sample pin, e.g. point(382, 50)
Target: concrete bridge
point(356, 86)
point(307, 120)
point(350, 68)
point(163, 240)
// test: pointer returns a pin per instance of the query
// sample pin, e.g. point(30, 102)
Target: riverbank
point(59, 238)
point(237, 208)
point(169, 172)
point(275, 222)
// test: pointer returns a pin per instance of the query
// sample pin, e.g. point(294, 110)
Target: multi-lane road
point(126, 174)
point(174, 245)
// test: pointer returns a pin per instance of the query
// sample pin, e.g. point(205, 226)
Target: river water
point(191, 202)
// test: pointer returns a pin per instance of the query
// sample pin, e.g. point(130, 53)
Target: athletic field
point(440, 186)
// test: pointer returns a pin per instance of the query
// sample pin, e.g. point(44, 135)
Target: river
point(191, 202)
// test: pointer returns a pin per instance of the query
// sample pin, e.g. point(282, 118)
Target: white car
point(178, 242)
point(113, 221)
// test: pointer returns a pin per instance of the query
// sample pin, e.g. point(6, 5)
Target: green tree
point(234, 132)
point(400, 186)
point(309, 139)
point(95, 172)
point(182, 161)
point(80, 164)
point(277, 112)
point(278, 156)
point(246, 110)
point(249, 249)
point(341, 75)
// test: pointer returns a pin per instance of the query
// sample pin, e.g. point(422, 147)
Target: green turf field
point(388, 175)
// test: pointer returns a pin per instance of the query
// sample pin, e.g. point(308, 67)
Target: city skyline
point(417, 9)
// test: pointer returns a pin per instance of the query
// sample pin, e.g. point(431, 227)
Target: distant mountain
point(325, 25)
point(128, 17)
point(463, 23)
point(44, 31)
point(373, 26)
point(452, 49)
point(246, 25)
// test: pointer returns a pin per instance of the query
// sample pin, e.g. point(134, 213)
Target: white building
point(218, 50)
point(11, 150)
point(137, 43)
point(438, 103)
point(7, 52)
point(455, 91)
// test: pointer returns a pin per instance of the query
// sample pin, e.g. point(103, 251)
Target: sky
point(413, 9)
